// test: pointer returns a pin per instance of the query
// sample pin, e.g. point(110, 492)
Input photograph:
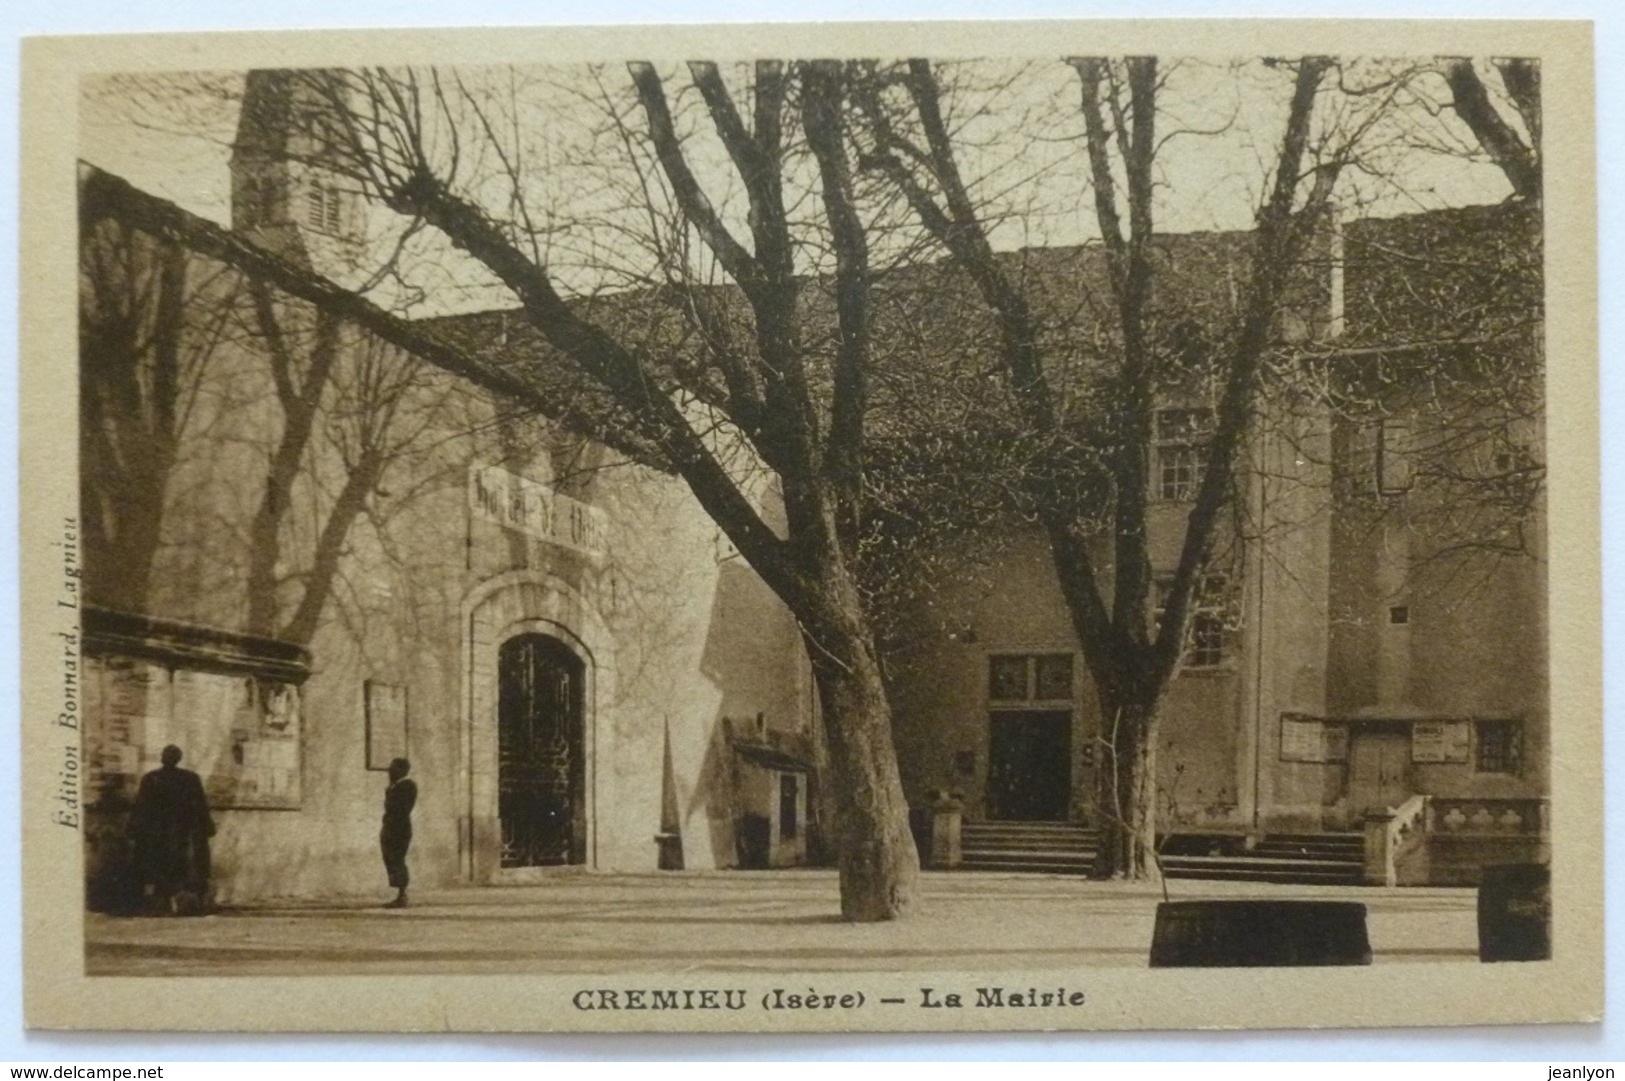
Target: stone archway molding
point(514, 603)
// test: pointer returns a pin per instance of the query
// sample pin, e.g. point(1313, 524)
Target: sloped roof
point(1445, 275)
point(1462, 273)
point(760, 754)
point(524, 373)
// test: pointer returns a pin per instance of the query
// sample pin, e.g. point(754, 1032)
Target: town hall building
point(310, 552)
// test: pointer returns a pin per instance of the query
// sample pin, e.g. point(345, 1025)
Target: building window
point(1052, 677)
point(1182, 438)
point(1207, 640)
point(1393, 457)
point(1498, 746)
point(1029, 677)
point(322, 209)
point(789, 793)
point(1515, 473)
point(1209, 631)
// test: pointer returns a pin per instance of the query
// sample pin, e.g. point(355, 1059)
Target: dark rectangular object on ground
point(1229, 934)
point(1515, 913)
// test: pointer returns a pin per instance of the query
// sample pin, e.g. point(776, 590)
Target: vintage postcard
point(1021, 526)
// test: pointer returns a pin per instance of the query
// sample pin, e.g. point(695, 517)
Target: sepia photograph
point(812, 529)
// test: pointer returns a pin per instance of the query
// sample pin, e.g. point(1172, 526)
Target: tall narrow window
point(330, 215)
point(1393, 457)
point(1499, 747)
point(1208, 641)
point(323, 209)
point(315, 207)
point(1182, 438)
point(789, 804)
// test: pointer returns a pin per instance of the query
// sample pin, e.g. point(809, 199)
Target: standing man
point(396, 836)
point(170, 827)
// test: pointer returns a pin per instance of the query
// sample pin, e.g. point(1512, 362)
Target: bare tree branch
point(1472, 103)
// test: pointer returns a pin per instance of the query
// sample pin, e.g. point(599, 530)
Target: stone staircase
point(1298, 858)
point(1068, 848)
point(1055, 848)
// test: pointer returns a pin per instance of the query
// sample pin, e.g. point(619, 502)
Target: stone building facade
point(1375, 629)
point(348, 554)
point(310, 552)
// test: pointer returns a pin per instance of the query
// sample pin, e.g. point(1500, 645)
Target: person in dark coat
point(396, 836)
point(170, 827)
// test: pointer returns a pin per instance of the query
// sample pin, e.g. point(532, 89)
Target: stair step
point(1067, 867)
point(971, 854)
point(1325, 840)
point(1029, 839)
point(1001, 837)
point(1025, 827)
point(1261, 862)
point(1353, 855)
point(1028, 847)
point(1253, 868)
point(1070, 848)
point(1026, 854)
point(1325, 835)
point(1237, 874)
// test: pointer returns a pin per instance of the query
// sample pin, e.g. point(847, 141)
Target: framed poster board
point(1312, 739)
point(240, 733)
point(1302, 738)
point(1440, 741)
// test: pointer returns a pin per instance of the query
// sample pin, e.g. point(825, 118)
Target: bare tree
point(1130, 651)
point(795, 400)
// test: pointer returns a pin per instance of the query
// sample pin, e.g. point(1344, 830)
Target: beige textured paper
point(153, 989)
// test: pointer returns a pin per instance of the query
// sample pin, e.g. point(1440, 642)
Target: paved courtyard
point(737, 921)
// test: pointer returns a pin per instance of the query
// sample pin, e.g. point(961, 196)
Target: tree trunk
point(878, 863)
point(1127, 798)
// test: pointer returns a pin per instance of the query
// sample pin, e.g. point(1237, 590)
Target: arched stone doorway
point(538, 666)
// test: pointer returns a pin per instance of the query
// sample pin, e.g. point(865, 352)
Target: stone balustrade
point(1447, 840)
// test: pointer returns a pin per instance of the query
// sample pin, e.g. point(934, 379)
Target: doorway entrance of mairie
point(534, 671)
point(541, 770)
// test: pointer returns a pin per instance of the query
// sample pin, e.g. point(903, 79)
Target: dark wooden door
point(541, 767)
point(1029, 773)
point(1379, 768)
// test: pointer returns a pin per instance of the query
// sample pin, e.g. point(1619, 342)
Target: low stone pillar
point(1379, 858)
point(670, 851)
point(947, 815)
